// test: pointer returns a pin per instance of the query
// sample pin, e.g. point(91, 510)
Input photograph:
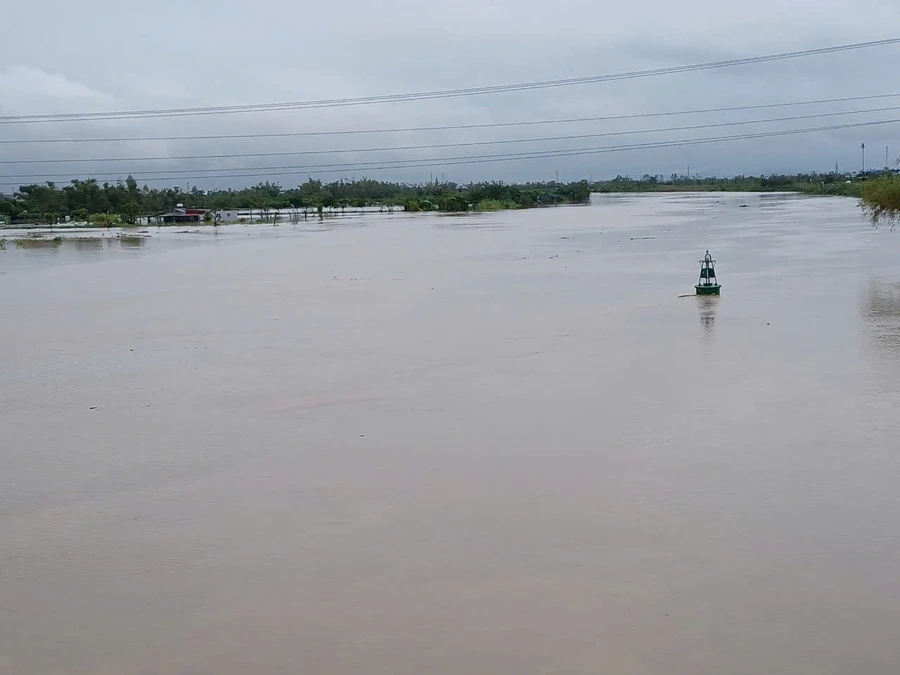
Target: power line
point(446, 93)
point(481, 159)
point(434, 146)
point(451, 127)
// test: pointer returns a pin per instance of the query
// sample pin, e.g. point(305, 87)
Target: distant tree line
point(809, 183)
point(84, 200)
point(106, 203)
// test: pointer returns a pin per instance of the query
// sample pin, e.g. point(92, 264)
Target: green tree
point(580, 192)
point(881, 200)
point(131, 187)
point(9, 208)
point(130, 212)
point(103, 219)
point(455, 203)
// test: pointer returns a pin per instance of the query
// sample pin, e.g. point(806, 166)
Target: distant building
point(230, 216)
point(181, 215)
point(548, 198)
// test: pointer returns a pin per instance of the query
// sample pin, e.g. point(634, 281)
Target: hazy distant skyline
point(63, 57)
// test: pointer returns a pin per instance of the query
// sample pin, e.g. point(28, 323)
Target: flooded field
point(461, 445)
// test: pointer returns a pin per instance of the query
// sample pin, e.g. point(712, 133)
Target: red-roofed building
point(181, 215)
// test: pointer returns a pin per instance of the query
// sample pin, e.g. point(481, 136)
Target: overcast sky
point(101, 55)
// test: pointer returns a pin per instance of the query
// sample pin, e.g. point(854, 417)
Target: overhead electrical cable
point(433, 146)
point(262, 172)
point(448, 127)
point(441, 94)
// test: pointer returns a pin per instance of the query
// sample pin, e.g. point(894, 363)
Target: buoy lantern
point(708, 284)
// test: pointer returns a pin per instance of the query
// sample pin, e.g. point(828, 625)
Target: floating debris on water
point(38, 242)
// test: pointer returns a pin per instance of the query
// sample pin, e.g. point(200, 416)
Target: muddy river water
point(462, 445)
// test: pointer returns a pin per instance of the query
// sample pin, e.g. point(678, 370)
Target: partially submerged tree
point(211, 218)
point(881, 200)
point(102, 219)
point(130, 212)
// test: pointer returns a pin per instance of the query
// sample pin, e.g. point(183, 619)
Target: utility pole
point(886, 165)
point(863, 148)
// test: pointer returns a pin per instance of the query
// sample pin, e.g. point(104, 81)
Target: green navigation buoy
point(708, 284)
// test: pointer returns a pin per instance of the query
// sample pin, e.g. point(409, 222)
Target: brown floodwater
point(481, 445)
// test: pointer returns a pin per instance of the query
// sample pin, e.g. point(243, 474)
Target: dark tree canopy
point(129, 201)
point(126, 200)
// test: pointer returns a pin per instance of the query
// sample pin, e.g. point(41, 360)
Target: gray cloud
point(65, 57)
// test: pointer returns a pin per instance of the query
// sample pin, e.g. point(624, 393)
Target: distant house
point(230, 216)
point(548, 198)
point(181, 215)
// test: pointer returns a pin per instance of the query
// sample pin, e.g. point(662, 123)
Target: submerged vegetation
point(88, 201)
point(124, 203)
point(37, 242)
point(880, 199)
